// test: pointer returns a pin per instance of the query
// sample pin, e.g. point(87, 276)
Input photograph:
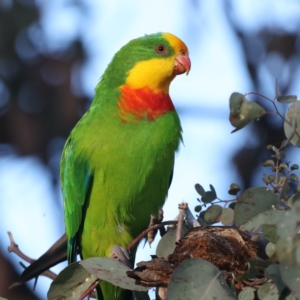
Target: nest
point(228, 248)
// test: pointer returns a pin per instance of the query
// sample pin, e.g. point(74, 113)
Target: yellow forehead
point(175, 42)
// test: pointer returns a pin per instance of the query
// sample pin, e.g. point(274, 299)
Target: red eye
point(161, 49)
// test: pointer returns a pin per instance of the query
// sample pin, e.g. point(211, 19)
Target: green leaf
point(268, 217)
point(232, 205)
point(268, 163)
point(71, 283)
point(227, 216)
point(294, 177)
point(294, 167)
point(166, 244)
point(111, 270)
point(270, 249)
point(213, 191)
point(247, 294)
point(255, 265)
point(287, 99)
point(290, 297)
point(296, 207)
point(285, 249)
point(270, 232)
point(268, 291)
point(280, 155)
point(242, 111)
point(273, 273)
point(293, 198)
point(288, 224)
point(252, 202)
point(271, 178)
point(210, 195)
point(234, 189)
point(197, 278)
point(291, 276)
point(297, 254)
point(212, 214)
point(199, 189)
point(282, 167)
point(291, 124)
point(198, 208)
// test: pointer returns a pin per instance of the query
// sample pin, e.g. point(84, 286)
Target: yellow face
point(157, 73)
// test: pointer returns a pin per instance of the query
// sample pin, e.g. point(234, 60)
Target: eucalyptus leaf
point(196, 279)
point(268, 163)
point(287, 99)
point(285, 250)
point(292, 124)
point(270, 232)
point(268, 291)
point(291, 277)
point(294, 177)
point(269, 217)
point(209, 195)
point(252, 202)
point(293, 198)
point(234, 189)
point(242, 111)
point(270, 249)
point(247, 294)
point(198, 208)
point(199, 189)
point(166, 244)
point(111, 270)
point(227, 216)
point(273, 273)
point(294, 167)
point(212, 214)
point(71, 283)
point(288, 224)
point(232, 205)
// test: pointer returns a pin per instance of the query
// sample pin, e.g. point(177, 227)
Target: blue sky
point(201, 98)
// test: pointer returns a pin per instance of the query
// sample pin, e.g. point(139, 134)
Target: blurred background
point(52, 54)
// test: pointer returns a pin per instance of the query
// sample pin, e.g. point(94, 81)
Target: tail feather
point(56, 254)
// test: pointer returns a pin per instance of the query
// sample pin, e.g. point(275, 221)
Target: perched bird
point(118, 161)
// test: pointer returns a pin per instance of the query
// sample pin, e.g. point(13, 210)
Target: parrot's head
point(141, 72)
point(150, 61)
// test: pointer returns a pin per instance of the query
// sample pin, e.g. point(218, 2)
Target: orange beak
point(182, 64)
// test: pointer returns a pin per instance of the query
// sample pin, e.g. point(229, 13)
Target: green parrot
point(117, 163)
point(118, 160)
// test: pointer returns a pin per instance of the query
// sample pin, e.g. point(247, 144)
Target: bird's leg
point(121, 254)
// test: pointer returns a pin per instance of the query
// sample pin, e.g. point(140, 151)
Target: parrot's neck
point(143, 103)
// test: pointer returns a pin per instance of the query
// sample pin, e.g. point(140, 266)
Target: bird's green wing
point(76, 180)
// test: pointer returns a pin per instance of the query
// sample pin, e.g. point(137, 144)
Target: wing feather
point(76, 179)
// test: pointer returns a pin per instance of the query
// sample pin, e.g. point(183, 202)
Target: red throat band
point(143, 103)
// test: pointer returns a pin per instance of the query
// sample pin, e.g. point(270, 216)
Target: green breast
point(131, 164)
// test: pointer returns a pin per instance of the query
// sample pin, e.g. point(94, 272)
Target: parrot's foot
point(122, 254)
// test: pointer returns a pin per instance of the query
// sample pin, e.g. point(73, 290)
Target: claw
point(121, 254)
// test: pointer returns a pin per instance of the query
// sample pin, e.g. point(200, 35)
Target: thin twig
point(142, 234)
point(15, 249)
point(182, 207)
point(255, 282)
point(90, 291)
